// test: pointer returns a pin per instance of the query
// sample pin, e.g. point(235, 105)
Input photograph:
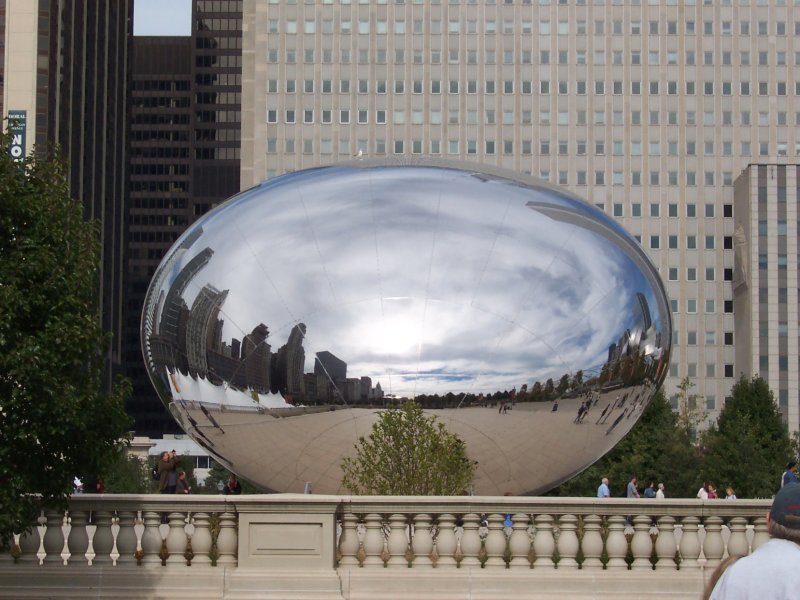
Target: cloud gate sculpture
point(528, 322)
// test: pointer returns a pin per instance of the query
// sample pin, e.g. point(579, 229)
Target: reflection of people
point(773, 569)
point(233, 486)
point(603, 490)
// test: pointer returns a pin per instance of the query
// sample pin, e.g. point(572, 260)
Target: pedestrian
point(712, 491)
point(702, 493)
point(660, 492)
point(182, 486)
point(233, 487)
point(632, 491)
point(650, 490)
point(167, 478)
point(603, 491)
point(790, 474)
point(773, 569)
point(729, 493)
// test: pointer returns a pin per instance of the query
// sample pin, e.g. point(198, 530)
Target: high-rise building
point(63, 79)
point(185, 132)
point(765, 282)
point(648, 109)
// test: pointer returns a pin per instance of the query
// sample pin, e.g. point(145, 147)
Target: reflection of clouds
point(421, 277)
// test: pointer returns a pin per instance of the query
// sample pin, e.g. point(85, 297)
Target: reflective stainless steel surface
point(280, 324)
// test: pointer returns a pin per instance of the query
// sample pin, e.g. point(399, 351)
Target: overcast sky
point(162, 17)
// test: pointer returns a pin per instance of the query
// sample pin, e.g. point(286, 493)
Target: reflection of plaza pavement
point(529, 448)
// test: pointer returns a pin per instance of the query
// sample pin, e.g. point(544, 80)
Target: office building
point(185, 131)
point(63, 78)
point(649, 109)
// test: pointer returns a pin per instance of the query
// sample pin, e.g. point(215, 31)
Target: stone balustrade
point(308, 546)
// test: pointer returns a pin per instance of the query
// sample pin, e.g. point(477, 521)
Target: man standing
point(633, 491)
point(603, 490)
point(773, 570)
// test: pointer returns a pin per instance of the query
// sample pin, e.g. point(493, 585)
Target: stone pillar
point(592, 543)
point(176, 539)
point(642, 544)
point(397, 543)
point(348, 541)
point(78, 539)
point(666, 546)
point(151, 538)
point(543, 542)
point(690, 543)
point(446, 543)
point(126, 538)
point(422, 542)
point(373, 540)
point(227, 540)
point(519, 543)
point(54, 538)
point(616, 543)
point(737, 544)
point(103, 540)
point(495, 542)
point(470, 541)
point(713, 545)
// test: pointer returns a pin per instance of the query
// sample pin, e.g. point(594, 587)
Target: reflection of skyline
point(440, 301)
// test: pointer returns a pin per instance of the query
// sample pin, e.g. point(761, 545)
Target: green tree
point(749, 445)
point(691, 415)
point(55, 421)
point(127, 474)
point(655, 449)
point(409, 454)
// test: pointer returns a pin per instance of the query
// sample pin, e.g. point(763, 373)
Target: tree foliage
point(655, 449)
point(408, 454)
point(749, 445)
point(55, 422)
point(127, 474)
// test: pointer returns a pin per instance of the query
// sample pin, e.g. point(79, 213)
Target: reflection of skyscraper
point(174, 301)
point(256, 359)
point(330, 366)
point(291, 359)
point(201, 327)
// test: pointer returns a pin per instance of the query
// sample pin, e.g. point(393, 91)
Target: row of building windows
point(600, 27)
point(455, 56)
point(744, 3)
point(544, 87)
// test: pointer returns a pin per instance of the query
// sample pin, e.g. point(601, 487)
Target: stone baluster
point(126, 537)
point(348, 541)
point(713, 545)
point(666, 546)
point(760, 534)
point(519, 543)
point(29, 545)
point(446, 543)
point(544, 544)
point(690, 543)
point(176, 539)
point(103, 540)
point(495, 542)
point(616, 543)
point(373, 540)
point(422, 542)
point(592, 543)
point(737, 544)
point(227, 540)
point(151, 538)
point(54, 537)
point(397, 541)
point(641, 544)
point(201, 539)
point(78, 539)
point(568, 542)
point(471, 541)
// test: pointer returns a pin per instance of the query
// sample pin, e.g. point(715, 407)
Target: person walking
point(660, 492)
point(633, 491)
point(603, 491)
